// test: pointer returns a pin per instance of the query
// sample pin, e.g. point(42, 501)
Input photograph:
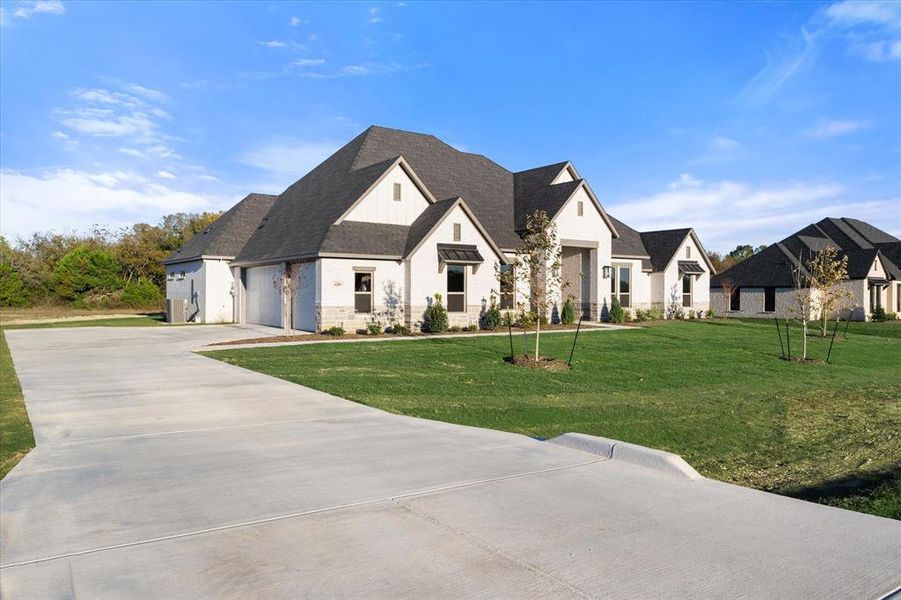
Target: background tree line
point(721, 261)
point(102, 268)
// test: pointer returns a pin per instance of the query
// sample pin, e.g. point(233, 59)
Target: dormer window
point(457, 234)
point(580, 208)
point(397, 192)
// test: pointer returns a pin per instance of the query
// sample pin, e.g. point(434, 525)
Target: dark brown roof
point(228, 234)
point(856, 239)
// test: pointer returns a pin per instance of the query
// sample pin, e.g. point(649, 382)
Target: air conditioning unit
point(176, 310)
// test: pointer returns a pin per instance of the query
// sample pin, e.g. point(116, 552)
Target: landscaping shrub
point(336, 331)
point(617, 312)
point(878, 315)
point(455, 329)
point(641, 315)
point(692, 314)
point(374, 329)
point(568, 314)
point(655, 313)
point(141, 293)
point(12, 290)
point(435, 317)
point(507, 320)
point(399, 329)
point(470, 327)
point(493, 315)
point(86, 271)
point(710, 313)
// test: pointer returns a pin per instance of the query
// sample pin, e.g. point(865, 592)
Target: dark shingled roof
point(359, 237)
point(550, 199)
point(663, 245)
point(629, 244)
point(228, 234)
point(426, 221)
point(857, 240)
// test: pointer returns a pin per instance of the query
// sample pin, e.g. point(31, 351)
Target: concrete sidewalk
point(160, 473)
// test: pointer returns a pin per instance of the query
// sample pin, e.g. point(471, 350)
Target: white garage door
point(263, 303)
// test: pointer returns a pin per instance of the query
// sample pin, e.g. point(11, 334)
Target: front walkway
point(161, 473)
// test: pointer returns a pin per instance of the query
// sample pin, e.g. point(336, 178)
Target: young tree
point(728, 287)
point(827, 273)
point(803, 302)
point(537, 264)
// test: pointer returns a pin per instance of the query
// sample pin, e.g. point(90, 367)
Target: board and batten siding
point(379, 205)
point(427, 278)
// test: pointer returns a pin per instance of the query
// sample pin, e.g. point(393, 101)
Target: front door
point(576, 274)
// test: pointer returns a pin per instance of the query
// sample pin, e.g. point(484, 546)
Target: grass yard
point(15, 430)
point(712, 391)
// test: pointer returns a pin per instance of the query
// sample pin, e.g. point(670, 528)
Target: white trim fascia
point(201, 257)
point(410, 173)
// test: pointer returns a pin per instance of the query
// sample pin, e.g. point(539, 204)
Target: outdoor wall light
point(606, 272)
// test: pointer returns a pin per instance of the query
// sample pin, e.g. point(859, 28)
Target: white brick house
point(394, 217)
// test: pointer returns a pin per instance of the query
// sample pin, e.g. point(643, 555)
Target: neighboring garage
point(263, 304)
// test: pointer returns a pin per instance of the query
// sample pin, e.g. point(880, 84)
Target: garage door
point(263, 303)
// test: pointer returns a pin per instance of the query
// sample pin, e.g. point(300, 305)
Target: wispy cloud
point(26, 10)
point(375, 15)
point(165, 175)
point(297, 21)
point(108, 113)
point(285, 161)
point(873, 29)
point(830, 129)
point(70, 199)
point(726, 212)
point(781, 66)
point(307, 62)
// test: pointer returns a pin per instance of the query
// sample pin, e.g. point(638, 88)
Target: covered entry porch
point(579, 260)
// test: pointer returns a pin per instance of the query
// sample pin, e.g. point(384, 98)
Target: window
point(457, 233)
point(769, 299)
point(456, 288)
point(397, 192)
point(687, 251)
point(686, 290)
point(898, 299)
point(875, 297)
point(580, 208)
point(508, 286)
point(620, 284)
point(363, 292)
point(735, 299)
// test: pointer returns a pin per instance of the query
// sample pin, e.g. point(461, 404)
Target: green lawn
point(713, 391)
point(15, 430)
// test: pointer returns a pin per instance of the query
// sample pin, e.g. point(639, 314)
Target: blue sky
point(744, 120)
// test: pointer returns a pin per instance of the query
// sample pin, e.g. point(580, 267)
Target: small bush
point(492, 316)
point(878, 315)
point(507, 320)
point(617, 312)
point(891, 316)
point(435, 317)
point(655, 313)
point(568, 314)
point(710, 314)
point(692, 314)
point(641, 315)
point(336, 331)
point(470, 327)
point(399, 329)
point(141, 293)
point(526, 319)
point(374, 329)
point(455, 329)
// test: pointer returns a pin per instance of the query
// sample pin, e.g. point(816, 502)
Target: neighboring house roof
point(858, 240)
point(228, 234)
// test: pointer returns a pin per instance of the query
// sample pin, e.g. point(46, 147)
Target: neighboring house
point(763, 285)
point(394, 217)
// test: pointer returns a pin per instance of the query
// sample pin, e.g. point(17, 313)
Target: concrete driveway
point(159, 473)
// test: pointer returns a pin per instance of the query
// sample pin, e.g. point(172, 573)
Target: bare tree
point(288, 283)
point(537, 264)
point(803, 303)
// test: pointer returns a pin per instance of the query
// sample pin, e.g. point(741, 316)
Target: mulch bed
point(544, 362)
point(322, 337)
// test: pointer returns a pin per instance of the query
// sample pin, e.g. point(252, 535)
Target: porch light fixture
point(606, 273)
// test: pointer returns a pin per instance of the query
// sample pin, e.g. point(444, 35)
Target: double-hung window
point(456, 288)
point(508, 287)
point(363, 292)
point(687, 281)
point(735, 299)
point(621, 285)
point(769, 299)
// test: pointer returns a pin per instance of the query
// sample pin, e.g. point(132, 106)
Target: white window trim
point(615, 285)
point(371, 272)
point(463, 293)
point(691, 291)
